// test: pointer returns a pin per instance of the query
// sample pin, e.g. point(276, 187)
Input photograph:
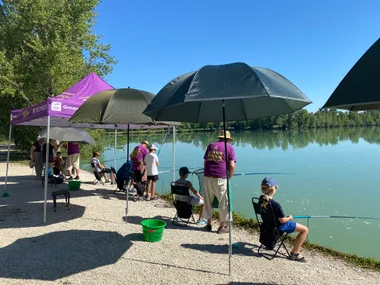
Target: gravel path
point(92, 244)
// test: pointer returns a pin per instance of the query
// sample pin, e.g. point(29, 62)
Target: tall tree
point(45, 47)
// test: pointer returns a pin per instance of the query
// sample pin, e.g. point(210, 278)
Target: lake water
point(319, 172)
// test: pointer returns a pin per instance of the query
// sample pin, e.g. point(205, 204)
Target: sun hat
point(269, 181)
point(184, 170)
point(221, 135)
point(153, 147)
point(145, 142)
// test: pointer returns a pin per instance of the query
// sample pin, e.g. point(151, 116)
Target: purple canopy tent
point(55, 112)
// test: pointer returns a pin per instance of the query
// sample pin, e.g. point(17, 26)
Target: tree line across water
point(298, 120)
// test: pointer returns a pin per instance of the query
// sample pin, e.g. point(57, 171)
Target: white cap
point(153, 147)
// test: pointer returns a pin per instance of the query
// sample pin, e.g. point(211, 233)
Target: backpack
point(123, 174)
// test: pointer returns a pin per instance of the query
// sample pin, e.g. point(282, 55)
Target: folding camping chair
point(181, 202)
point(200, 175)
point(98, 175)
point(269, 234)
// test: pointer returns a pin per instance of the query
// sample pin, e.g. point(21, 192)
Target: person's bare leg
point(76, 172)
point(105, 176)
point(148, 188)
point(303, 231)
point(112, 176)
point(153, 189)
point(201, 212)
point(70, 172)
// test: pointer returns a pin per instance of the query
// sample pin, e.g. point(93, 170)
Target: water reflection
point(264, 139)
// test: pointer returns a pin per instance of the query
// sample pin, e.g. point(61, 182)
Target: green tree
point(45, 47)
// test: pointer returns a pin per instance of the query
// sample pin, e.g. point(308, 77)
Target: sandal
point(295, 257)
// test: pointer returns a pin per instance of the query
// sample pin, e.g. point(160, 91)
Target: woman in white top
point(151, 163)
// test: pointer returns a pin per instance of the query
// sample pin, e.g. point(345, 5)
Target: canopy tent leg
point(173, 155)
point(114, 150)
point(46, 166)
point(5, 194)
point(228, 191)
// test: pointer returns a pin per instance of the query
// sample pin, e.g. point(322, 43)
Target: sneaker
point(154, 198)
point(107, 181)
point(223, 230)
point(77, 178)
point(113, 182)
point(202, 222)
point(70, 178)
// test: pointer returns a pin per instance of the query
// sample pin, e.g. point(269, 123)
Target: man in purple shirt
point(137, 156)
point(215, 180)
point(73, 153)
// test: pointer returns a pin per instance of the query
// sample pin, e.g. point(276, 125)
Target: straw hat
point(145, 142)
point(221, 135)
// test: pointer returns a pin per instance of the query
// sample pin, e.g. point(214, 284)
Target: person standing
point(215, 179)
point(73, 154)
point(137, 157)
point(151, 163)
point(36, 155)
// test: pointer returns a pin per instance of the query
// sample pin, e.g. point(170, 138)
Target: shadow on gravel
point(175, 266)
point(31, 214)
point(136, 220)
point(244, 248)
point(248, 283)
point(60, 254)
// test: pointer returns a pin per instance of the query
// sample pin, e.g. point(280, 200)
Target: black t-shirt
point(51, 150)
point(37, 146)
point(277, 210)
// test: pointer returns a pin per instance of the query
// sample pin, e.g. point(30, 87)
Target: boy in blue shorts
point(284, 224)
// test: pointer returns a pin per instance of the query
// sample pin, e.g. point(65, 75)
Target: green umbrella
point(221, 93)
point(360, 88)
point(117, 109)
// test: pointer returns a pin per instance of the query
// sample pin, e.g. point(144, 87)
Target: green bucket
point(74, 185)
point(153, 230)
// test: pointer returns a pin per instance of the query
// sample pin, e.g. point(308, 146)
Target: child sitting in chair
point(102, 169)
point(269, 188)
point(58, 164)
point(194, 200)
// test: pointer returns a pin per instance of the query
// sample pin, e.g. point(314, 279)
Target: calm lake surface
point(319, 172)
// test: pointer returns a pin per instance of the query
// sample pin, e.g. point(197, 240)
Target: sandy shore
point(92, 244)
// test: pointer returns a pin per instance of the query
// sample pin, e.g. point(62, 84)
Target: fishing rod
point(336, 217)
point(163, 141)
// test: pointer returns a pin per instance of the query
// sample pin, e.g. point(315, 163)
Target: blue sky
point(312, 43)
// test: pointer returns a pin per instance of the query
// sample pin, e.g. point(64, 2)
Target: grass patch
point(240, 221)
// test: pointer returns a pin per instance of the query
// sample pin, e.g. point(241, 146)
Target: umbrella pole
point(46, 165)
point(127, 190)
point(173, 155)
point(114, 150)
point(228, 192)
point(8, 153)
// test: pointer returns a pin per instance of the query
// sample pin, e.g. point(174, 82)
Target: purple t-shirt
point(72, 148)
point(137, 156)
point(215, 159)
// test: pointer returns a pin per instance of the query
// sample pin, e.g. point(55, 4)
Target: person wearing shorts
point(151, 163)
point(284, 224)
point(102, 169)
point(194, 200)
point(215, 179)
point(73, 154)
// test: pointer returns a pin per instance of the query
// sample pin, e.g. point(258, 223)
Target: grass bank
point(251, 225)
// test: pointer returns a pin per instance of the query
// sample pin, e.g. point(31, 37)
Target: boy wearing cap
point(151, 163)
point(194, 200)
point(215, 181)
point(137, 156)
point(284, 224)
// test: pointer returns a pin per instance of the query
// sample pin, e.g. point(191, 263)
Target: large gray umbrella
point(221, 93)
point(360, 88)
